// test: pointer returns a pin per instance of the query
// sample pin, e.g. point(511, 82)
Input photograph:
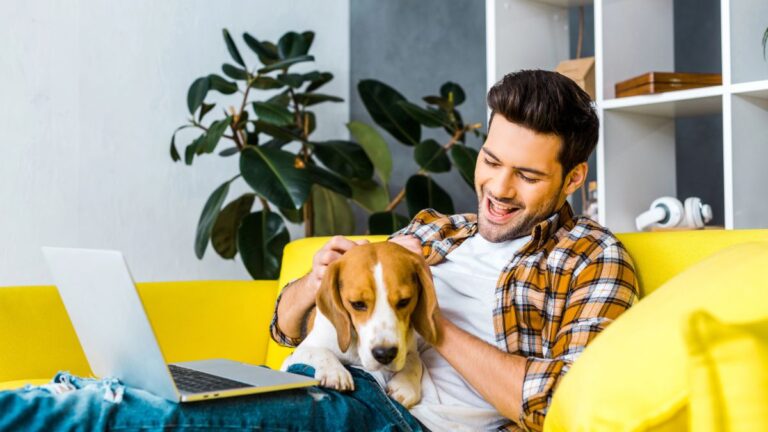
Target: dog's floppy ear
point(329, 302)
point(425, 314)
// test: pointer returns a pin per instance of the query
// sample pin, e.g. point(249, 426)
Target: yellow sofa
point(208, 319)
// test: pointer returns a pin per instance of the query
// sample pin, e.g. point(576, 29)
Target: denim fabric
point(73, 403)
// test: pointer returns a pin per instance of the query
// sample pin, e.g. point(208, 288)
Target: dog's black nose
point(384, 355)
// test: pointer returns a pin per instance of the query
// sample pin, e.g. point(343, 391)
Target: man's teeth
point(500, 208)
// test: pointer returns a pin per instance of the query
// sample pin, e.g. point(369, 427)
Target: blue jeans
point(108, 405)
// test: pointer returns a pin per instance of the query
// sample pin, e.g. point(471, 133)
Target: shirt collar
point(546, 229)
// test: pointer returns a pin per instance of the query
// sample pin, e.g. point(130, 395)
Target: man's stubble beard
point(498, 233)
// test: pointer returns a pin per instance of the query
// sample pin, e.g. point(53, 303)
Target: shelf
point(682, 103)
point(758, 89)
point(565, 3)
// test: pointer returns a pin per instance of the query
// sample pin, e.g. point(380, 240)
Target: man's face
point(518, 179)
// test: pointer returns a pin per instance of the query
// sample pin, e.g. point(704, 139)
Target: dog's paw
point(336, 377)
point(404, 391)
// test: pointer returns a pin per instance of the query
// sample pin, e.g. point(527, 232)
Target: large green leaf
point(260, 240)
point(266, 83)
point(346, 158)
point(452, 92)
point(224, 232)
point(266, 51)
point(309, 37)
point(430, 118)
point(381, 101)
point(221, 85)
point(174, 151)
point(465, 159)
point(431, 156)
point(386, 223)
point(292, 45)
point(284, 134)
point(273, 113)
point(329, 180)
point(375, 147)
point(194, 148)
point(292, 80)
point(309, 99)
point(285, 64)
point(196, 93)
point(232, 48)
point(333, 214)
point(215, 133)
point(234, 72)
point(422, 192)
point(272, 174)
point(293, 215)
point(204, 109)
point(370, 195)
point(318, 82)
point(208, 217)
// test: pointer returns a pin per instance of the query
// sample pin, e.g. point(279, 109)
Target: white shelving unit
point(636, 153)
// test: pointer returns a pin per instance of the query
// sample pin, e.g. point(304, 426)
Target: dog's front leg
point(328, 369)
point(405, 385)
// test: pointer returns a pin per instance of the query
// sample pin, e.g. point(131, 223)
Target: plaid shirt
point(561, 289)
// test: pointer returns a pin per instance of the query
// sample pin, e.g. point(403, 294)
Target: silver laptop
point(118, 341)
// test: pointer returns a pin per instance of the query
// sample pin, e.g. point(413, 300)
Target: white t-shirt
point(466, 292)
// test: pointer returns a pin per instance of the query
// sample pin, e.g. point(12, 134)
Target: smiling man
point(523, 285)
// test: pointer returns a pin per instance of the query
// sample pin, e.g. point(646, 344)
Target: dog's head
point(378, 291)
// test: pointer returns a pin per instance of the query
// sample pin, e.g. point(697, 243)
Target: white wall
point(91, 92)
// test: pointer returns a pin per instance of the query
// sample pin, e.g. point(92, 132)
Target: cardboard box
point(582, 71)
point(660, 82)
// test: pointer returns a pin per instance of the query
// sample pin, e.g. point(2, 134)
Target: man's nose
point(384, 355)
point(502, 187)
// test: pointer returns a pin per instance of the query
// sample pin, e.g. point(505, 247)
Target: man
point(523, 286)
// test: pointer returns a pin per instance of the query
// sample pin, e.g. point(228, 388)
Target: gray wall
point(416, 46)
point(699, 140)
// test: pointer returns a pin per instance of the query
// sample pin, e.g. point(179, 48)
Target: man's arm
point(521, 388)
point(298, 298)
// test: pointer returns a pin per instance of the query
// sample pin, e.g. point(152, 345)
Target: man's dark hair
point(550, 103)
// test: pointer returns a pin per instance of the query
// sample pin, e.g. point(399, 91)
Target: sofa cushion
point(192, 320)
point(728, 374)
point(634, 376)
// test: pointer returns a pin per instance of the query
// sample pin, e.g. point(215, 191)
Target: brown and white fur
point(368, 305)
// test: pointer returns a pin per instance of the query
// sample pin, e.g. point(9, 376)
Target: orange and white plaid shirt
point(557, 293)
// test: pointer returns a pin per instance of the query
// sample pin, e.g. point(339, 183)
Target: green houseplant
point(301, 179)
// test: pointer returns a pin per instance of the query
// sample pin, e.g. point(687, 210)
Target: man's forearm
point(293, 307)
point(496, 375)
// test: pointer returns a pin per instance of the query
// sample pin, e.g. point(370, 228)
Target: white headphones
point(667, 212)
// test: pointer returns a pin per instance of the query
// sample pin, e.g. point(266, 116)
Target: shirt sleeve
point(599, 293)
point(274, 330)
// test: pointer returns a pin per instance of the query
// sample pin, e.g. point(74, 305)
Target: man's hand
point(409, 242)
point(299, 297)
point(330, 252)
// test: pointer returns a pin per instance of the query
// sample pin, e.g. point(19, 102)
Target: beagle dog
point(369, 303)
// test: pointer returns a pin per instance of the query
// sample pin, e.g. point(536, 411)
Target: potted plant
point(313, 182)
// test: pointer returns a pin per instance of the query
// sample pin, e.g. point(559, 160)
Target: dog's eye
point(403, 303)
point(358, 306)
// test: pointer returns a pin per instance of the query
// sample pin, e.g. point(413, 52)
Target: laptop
point(117, 338)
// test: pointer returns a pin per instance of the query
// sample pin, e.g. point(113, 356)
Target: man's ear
point(329, 303)
point(576, 178)
point(424, 316)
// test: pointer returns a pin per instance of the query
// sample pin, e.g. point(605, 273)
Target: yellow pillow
point(728, 374)
point(634, 376)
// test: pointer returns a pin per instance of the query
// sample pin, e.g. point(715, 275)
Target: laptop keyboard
point(193, 381)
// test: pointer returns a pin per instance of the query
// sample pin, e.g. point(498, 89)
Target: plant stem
point(454, 139)
point(264, 204)
point(200, 126)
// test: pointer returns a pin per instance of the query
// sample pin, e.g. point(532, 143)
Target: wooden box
point(582, 71)
point(660, 82)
